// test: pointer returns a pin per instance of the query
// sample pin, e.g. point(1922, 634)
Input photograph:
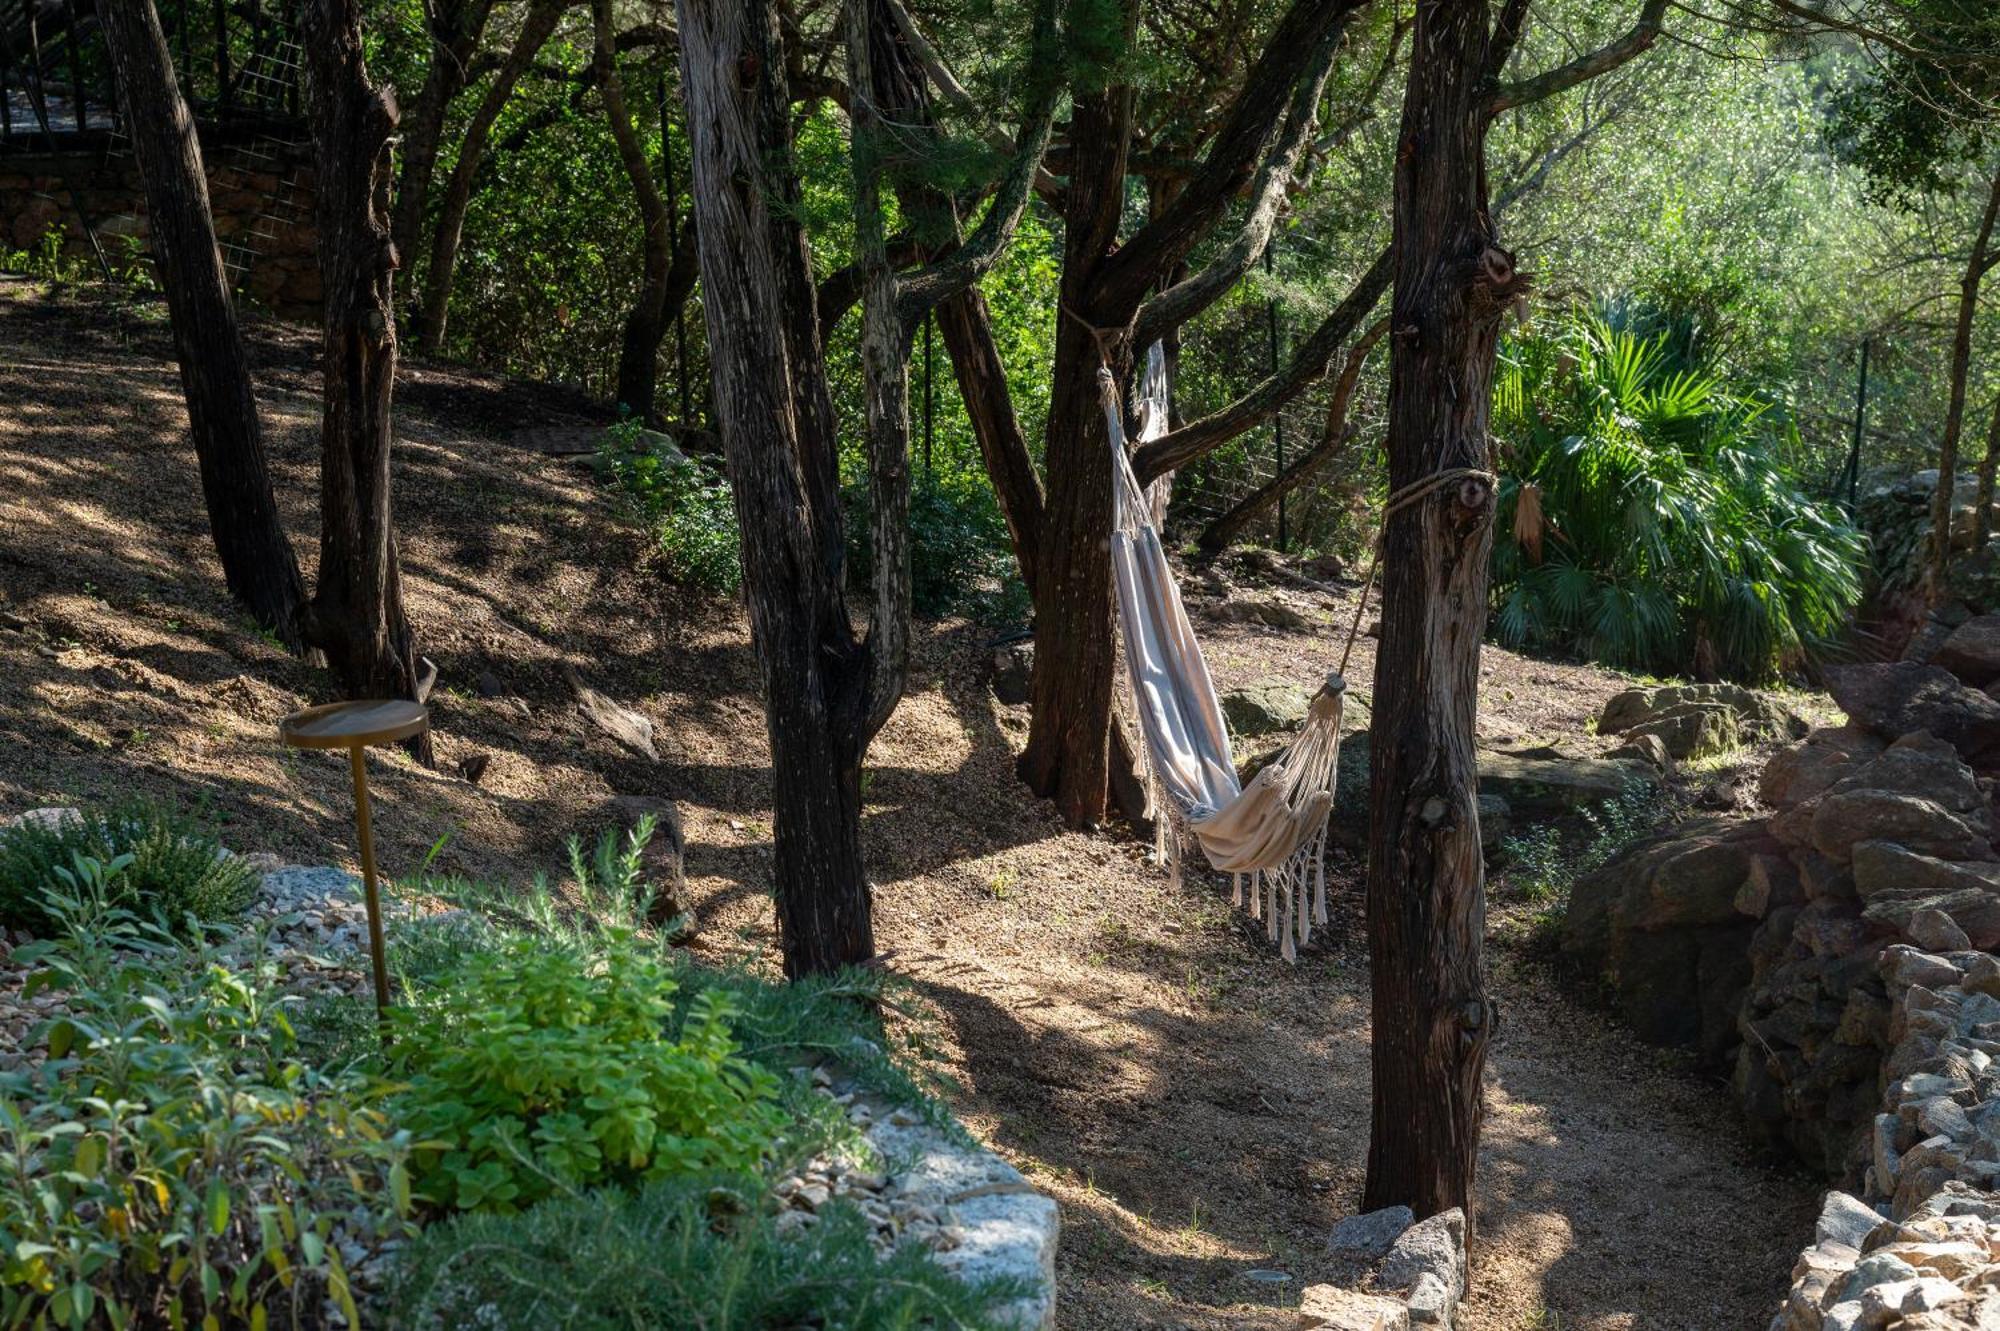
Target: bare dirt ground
point(1199, 1108)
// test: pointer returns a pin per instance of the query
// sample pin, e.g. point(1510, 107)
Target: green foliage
point(44, 261)
point(1544, 862)
point(684, 501)
point(177, 870)
point(1931, 107)
point(961, 557)
point(172, 1162)
point(683, 1253)
point(1670, 538)
point(538, 1069)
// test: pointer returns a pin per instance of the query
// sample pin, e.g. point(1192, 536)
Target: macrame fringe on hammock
point(1271, 832)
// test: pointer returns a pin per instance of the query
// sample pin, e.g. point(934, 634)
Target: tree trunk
point(639, 350)
point(1067, 758)
point(257, 560)
point(1954, 416)
point(967, 327)
point(1426, 879)
point(454, 30)
point(777, 425)
point(357, 614)
point(536, 29)
point(1217, 536)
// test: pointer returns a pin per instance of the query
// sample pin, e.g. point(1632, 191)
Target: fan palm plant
point(1644, 520)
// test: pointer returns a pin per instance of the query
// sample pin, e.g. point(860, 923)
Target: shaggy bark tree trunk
point(1982, 259)
point(1111, 305)
point(357, 614)
point(455, 28)
point(1067, 758)
point(1426, 877)
point(536, 29)
point(777, 425)
point(646, 325)
point(257, 559)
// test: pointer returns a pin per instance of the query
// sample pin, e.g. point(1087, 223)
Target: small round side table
point(357, 727)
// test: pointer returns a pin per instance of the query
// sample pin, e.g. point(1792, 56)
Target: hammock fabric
point(1272, 831)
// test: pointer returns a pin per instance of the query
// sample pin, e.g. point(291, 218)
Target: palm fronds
point(1646, 520)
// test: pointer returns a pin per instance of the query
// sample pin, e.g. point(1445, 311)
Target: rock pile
point(1761, 944)
point(1920, 1249)
point(1396, 1272)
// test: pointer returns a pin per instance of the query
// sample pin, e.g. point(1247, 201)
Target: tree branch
point(1177, 448)
point(954, 92)
point(1185, 299)
point(924, 290)
point(1637, 41)
point(1296, 45)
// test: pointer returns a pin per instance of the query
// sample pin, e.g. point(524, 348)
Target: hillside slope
point(1199, 1108)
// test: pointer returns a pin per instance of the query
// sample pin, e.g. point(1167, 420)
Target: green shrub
point(684, 1253)
point(961, 557)
point(1644, 518)
point(177, 868)
point(684, 501)
point(540, 1068)
point(172, 1162)
point(1544, 863)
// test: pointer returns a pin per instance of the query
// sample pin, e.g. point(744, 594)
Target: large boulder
point(1972, 651)
point(1693, 730)
point(1757, 717)
point(1894, 699)
point(1667, 926)
point(1809, 767)
point(1265, 707)
point(1916, 792)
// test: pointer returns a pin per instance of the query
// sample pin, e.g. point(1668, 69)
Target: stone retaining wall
point(1919, 1250)
point(260, 193)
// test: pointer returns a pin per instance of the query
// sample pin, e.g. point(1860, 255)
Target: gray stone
point(1976, 913)
point(1538, 789)
point(1921, 764)
point(1265, 707)
point(53, 819)
point(1370, 1235)
point(1885, 866)
point(1906, 965)
point(1934, 931)
point(1271, 611)
point(1972, 652)
point(1755, 713)
point(1845, 1219)
point(1694, 730)
point(1430, 1302)
point(1644, 747)
point(1009, 1236)
point(1840, 821)
point(1808, 768)
point(1331, 1308)
point(1877, 1268)
point(1435, 1246)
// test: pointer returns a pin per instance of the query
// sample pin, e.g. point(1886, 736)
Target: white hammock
point(1273, 830)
